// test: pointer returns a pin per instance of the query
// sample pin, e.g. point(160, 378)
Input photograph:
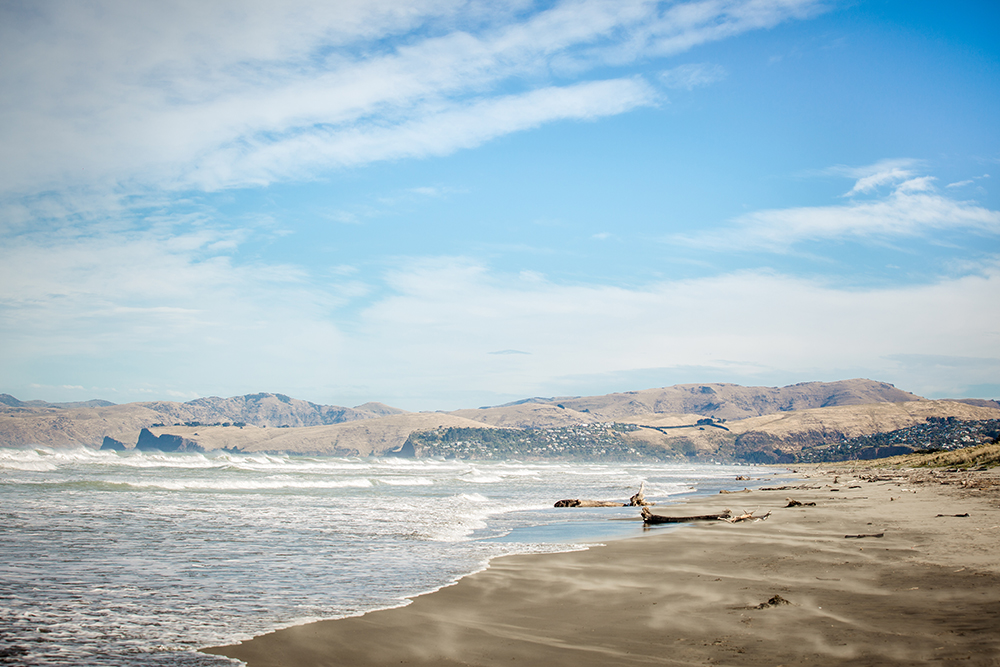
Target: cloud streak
point(179, 95)
point(692, 76)
point(912, 209)
point(437, 327)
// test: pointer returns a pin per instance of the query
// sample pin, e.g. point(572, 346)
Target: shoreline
point(927, 591)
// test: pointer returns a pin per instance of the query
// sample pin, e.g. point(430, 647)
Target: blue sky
point(441, 204)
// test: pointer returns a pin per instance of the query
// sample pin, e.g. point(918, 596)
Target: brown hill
point(788, 432)
point(769, 418)
point(528, 415)
point(359, 438)
point(719, 400)
point(60, 427)
point(732, 401)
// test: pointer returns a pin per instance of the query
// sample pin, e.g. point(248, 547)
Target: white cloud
point(435, 331)
point(912, 209)
point(447, 128)
point(168, 307)
point(871, 177)
point(179, 93)
point(693, 75)
point(447, 315)
point(968, 181)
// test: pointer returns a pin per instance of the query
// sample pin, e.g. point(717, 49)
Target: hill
point(731, 401)
point(377, 436)
point(724, 422)
point(779, 437)
point(23, 424)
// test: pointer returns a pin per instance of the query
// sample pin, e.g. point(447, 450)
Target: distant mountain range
point(10, 401)
point(690, 421)
point(86, 423)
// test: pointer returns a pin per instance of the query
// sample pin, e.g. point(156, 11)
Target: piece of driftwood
point(775, 601)
point(858, 537)
point(743, 491)
point(638, 500)
point(801, 487)
point(955, 515)
point(796, 503)
point(576, 502)
point(649, 517)
point(746, 516)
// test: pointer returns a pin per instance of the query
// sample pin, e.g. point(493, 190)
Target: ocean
point(141, 558)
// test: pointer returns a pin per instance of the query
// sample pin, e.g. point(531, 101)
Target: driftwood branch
point(638, 500)
point(859, 537)
point(747, 516)
point(796, 503)
point(786, 488)
point(576, 502)
point(775, 601)
point(649, 517)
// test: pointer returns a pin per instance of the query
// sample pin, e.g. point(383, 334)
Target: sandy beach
point(887, 568)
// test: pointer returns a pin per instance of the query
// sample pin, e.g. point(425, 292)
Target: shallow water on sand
point(139, 558)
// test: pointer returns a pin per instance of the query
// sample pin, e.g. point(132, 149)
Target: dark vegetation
point(591, 442)
point(607, 442)
point(937, 434)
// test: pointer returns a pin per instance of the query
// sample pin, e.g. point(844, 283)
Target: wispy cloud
point(871, 177)
point(105, 95)
point(741, 324)
point(445, 129)
point(693, 75)
point(435, 326)
point(968, 181)
point(912, 208)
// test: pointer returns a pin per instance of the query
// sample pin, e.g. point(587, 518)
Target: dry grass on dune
point(981, 456)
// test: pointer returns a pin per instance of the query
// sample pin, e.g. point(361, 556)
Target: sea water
point(140, 558)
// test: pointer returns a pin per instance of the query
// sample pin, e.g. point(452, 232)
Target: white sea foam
point(114, 553)
point(399, 481)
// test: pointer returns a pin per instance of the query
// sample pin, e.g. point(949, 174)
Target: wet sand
point(926, 592)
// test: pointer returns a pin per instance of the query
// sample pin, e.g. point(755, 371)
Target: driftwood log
point(649, 517)
point(638, 500)
point(747, 516)
point(576, 502)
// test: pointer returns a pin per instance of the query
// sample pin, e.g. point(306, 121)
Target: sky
point(440, 204)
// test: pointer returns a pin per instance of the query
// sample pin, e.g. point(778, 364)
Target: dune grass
point(980, 456)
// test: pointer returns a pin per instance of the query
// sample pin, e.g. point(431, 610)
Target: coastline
point(927, 591)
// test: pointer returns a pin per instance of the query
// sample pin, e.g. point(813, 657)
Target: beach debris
point(638, 500)
point(955, 515)
point(795, 503)
point(864, 535)
point(801, 487)
point(649, 517)
point(743, 478)
point(746, 516)
point(743, 491)
point(576, 502)
point(775, 601)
